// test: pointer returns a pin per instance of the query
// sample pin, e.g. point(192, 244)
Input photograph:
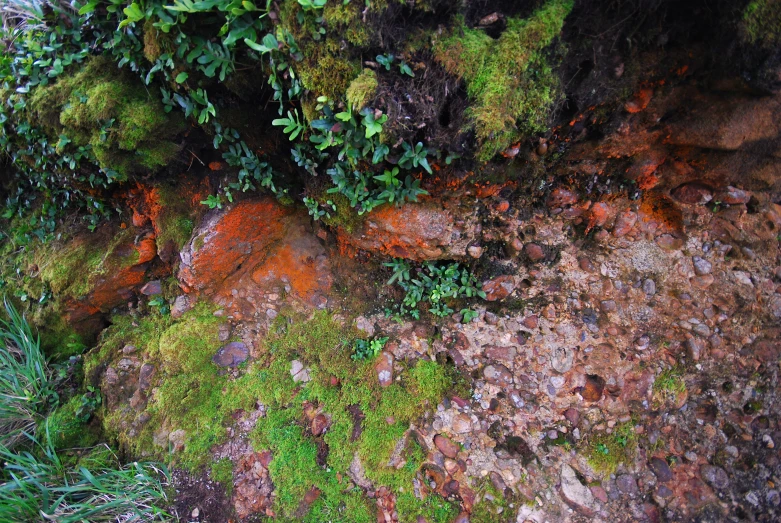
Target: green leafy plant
point(367, 349)
point(88, 404)
point(293, 124)
point(433, 284)
point(212, 201)
point(160, 305)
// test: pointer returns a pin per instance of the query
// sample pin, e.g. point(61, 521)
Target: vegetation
point(510, 80)
point(605, 451)
point(435, 285)
point(36, 481)
point(762, 22)
point(669, 388)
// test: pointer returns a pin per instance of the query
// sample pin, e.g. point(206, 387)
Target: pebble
point(649, 287)
point(661, 469)
point(627, 484)
point(608, 306)
point(701, 266)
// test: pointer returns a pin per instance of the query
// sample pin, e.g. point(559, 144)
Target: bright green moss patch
point(323, 345)
point(110, 111)
point(510, 82)
point(222, 472)
point(762, 22)
point(64, 430)
point(605, 452)
point(362, 89)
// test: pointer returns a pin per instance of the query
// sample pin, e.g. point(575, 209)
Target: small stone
point(693, 193)
point(643, 342)
point(608, 306)
point(714, 476)
point(384, 368)
point(695, 348)
point(572, 415)
point(176, 440)
point(594, 387)
point(702, 282)
point(446, 446)
point(701, 266)
point(475, 251)
point(491, 318)
point(561, 359)
point(498, 375)
point(585, 264)
point(231, 355)
point(577, 495)
point(363, 324)
point(627, 484)
point(649, 287)
point(152, 288)
point(624, 223)
point(734, 196)
point(195, 513)
point(534, 252)
point(299, 373)
point(180, 306)
point(530, 322)
point(661, 469)
point(129, 349)
point(498, 288)
point(599, 493)
point(663, 491)
point(320, 424)
point(461, 424)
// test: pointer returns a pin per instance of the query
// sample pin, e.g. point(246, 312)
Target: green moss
point(346, 20)
point(510, 82)
point(605, 452)
point(222, 472)
point(344, 216)
point(111, 111)
point(324, 70)
point(362, 89)
point(64, 430)
point(762, 22)
point(668, 388)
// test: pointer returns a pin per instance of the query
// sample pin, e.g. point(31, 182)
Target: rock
point(693, 193)
point(660, 468)
point(624, 223)
point(463, 517)
point(577, 495)
point(714, 476)
point(475, 251)
point(701, 266)
point(462, 424)
point(495, 352)
point(357, 473)
point(384, 368)
point(530, 322)
point(560, 197)
point(498, 374)
point(320, 424)
point(599, 493)
point(498, 288)
point(649, 287)
point(177, 439)
point(561, 359)
point(534, 252)
point(695, 348)
point(129, 349)
point(364, 325)
point(152, 288)
point(145, 375)
point(585, 264)
point(639, 101)
point(180, 306)
point(627, 484)
point(497, 481)
point(734, 196)
point(415, 231)
point(573, 416)
point(608, 306)
point(592, 391)
point(702, 282)
point(299, 372)
point(446, 446)
point(231, 355)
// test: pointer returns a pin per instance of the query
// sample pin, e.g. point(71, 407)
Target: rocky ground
point(622, 367)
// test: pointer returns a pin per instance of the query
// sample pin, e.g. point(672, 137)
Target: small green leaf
point(181, 77)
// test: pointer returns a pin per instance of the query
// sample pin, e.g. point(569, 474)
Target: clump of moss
point(64, 430)
point(762, 22)
point(324, 70)
point(110, 111)
point(511, 83)
point(222, 472)
point(362, 89)
point(605, 452)
point(175, 224)
point(669, 388)
point(346, 21)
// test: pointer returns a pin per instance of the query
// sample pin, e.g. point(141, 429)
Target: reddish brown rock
point(530, 322)
point(498, 288)
point(693, 193)
point(384, 368)
point(639, 101)
point(624, 223)
point(592, 391)
point(534, 252)
point(446, 446)
point(496, 352)
point(560, 197)
point(320, 424)
point(733, 196)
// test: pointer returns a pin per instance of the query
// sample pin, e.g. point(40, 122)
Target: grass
point(605, 452)
point(510, 82)
point(26, 388)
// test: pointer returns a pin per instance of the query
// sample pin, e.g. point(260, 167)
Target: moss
point(324, 70)
point(175, 223)
point(491, 503)
point(222, 472)
point(362, 89)
point(510, 82)
point(762, 22)
point(64, 430)
point(605, 452)
point(669, 388)
point(111, 111)
point(346, 20)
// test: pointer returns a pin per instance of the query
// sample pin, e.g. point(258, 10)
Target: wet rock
point(693, 193)
point(561, 359)
point(534, 252)
point(627, 484)
point(498, 374)
point(416, 231)
point(660, 468)
point(299, 373)
point(446, 446)
point(701, 266)
point(624, 223)
point(152, 288)
point(577, 495)
point(231, 355)
point(384, 369)
point(714, 476)
point(498, 288)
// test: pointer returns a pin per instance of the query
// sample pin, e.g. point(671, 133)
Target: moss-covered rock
point(110, 111)
point(362, 89)
point(762, 22)
point(510, 81)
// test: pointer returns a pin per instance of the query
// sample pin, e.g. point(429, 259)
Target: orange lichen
point(639, 101)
